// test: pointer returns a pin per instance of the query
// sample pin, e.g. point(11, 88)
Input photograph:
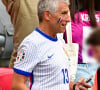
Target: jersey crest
point(21, 55)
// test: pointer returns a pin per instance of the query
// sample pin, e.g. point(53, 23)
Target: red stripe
point(30, 81)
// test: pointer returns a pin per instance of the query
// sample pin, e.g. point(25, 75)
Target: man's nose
point(68, 17)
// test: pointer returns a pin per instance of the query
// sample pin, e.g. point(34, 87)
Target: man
point(94, 42)
point(24, 18)
point(41, 54)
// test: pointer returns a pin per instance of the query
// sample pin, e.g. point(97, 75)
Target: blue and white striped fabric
point(43, 58)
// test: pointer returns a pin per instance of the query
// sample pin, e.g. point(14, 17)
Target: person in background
point(85, 15)
point(24, 18)
point(94, 42)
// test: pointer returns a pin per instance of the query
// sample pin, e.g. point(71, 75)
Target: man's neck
point(47, 30)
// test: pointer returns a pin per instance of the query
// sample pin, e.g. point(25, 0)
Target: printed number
point(65, 75)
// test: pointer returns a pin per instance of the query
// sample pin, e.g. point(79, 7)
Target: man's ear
point(47, 15)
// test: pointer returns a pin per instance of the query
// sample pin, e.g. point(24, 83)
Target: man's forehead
point(63, 6)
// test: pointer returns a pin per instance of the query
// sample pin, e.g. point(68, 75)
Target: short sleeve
point(27, 58)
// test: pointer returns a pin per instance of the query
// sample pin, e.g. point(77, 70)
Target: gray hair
point(50, 5)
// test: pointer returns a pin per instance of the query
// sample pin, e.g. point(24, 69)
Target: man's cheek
point(97, 56)
point(98, 60)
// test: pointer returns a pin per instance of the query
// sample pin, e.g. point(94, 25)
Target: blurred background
point(6, 36)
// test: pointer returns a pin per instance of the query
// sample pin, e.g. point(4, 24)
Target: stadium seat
point(6, 75)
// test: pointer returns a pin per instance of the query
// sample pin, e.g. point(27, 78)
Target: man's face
point(96, 52)
point(62, 12)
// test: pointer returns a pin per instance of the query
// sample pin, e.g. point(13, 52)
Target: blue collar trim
point(45, 35)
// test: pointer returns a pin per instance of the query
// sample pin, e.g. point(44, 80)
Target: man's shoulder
point(33, 39)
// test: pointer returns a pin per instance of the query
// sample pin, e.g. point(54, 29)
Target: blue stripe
point(45, 35)
point(32, 80)
point(22, 72)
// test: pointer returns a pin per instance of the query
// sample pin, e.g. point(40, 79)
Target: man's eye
point(64, 12)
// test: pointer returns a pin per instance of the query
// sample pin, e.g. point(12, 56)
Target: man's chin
point(61, 31)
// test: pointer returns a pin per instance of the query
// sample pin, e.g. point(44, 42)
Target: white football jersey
point(43, 59)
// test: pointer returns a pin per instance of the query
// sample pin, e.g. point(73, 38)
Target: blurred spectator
point(94, 42)
point(85, 15)
point(24, 18)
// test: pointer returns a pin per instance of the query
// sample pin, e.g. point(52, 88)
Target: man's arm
point(9, 5)
point(5, 2)
point(18, 82)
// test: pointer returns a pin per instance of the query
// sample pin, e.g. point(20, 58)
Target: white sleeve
point(27, 58)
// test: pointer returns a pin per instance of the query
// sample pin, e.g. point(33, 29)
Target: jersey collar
point(45, 35)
